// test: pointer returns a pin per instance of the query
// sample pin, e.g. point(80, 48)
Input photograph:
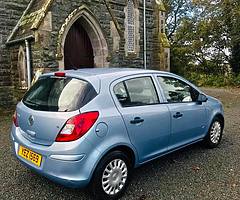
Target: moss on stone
point(161, 6)
point(164, 40)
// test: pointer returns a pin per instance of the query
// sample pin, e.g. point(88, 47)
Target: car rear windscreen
point(57, 94)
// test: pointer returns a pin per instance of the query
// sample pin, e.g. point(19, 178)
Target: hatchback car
point(91, 127)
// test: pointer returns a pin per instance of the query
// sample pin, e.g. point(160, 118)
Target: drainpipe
point(28, 63)
point(145, 35)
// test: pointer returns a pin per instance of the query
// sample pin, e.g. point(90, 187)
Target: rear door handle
point(137, 120)
point(178, 115)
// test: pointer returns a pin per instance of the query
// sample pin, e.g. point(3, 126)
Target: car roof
point(111, 73)
point(108, 74)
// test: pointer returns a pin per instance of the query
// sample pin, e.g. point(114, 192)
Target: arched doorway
point(83, 22)
point(78, 50)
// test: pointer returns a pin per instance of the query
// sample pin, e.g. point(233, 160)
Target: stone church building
point(39, 36)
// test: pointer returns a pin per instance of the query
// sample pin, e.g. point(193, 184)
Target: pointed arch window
point(132, 35)
point(130, 27)
point(22, 68)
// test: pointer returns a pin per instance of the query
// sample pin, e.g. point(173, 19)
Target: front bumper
point(61, 162)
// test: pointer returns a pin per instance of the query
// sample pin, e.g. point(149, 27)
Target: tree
point(177, 10)
point(204, 34)
point(231, 17)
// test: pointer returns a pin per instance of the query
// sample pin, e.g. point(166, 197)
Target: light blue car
point(91, 127)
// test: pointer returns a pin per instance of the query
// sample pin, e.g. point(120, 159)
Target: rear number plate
point(31, 156)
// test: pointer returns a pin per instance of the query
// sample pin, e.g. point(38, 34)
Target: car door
point(147, 121)
point(188, 117)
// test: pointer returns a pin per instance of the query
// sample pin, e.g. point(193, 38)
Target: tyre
point(215, 133)
point(111, 176)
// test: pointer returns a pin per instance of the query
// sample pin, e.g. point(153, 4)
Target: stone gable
point(10, 12)
point(46, 24)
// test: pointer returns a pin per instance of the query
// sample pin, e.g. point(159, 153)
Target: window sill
point(132, 55)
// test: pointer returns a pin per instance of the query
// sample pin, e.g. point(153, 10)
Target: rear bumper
point(61, 179)
point(61, 162)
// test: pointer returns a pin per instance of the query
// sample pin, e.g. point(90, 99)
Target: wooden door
point(78, 51)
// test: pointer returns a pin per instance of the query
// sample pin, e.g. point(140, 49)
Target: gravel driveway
point(192, 173)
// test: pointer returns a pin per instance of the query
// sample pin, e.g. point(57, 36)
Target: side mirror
point(202, 98)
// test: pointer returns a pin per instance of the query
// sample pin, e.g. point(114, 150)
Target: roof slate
point(31, 19)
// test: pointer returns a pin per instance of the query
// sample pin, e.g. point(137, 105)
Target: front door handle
point(178, 115)
point(137, 120)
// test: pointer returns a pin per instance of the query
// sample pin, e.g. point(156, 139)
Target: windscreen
point(59, 94)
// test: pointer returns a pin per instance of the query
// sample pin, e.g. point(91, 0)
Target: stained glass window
point(22, 68)
point(130, 26)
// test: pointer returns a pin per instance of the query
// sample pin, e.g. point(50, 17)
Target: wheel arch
point(221, 117)
point(218, 115)
point(120, 147)
point(125, 149)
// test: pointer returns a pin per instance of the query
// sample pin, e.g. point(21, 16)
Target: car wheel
point(111, 176)
point(215, 132)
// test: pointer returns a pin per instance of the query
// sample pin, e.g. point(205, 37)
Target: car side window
point(136, 92)
point(121, 94)
point(177, 91)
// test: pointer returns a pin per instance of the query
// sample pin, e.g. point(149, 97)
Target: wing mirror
point(202, 98)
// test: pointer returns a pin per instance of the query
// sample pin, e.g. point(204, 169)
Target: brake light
point(59, 74)
point(77, 126)
point(14, 119)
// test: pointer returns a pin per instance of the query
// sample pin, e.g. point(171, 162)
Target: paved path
point(192, 173)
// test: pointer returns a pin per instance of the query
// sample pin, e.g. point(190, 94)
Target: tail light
point(77, 126)
point(14, 119)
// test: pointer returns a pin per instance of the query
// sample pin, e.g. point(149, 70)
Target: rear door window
point(59, 94)
point(136, 92)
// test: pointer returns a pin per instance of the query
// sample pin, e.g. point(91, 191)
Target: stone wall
point(45, 47)
point(10, 12)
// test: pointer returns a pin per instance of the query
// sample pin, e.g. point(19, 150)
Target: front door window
point(177, 91)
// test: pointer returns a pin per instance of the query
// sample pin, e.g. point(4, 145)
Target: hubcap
point(215, 133)
point(114, 176)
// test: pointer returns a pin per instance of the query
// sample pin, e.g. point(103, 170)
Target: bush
point(213, 80)
point(237, 80)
